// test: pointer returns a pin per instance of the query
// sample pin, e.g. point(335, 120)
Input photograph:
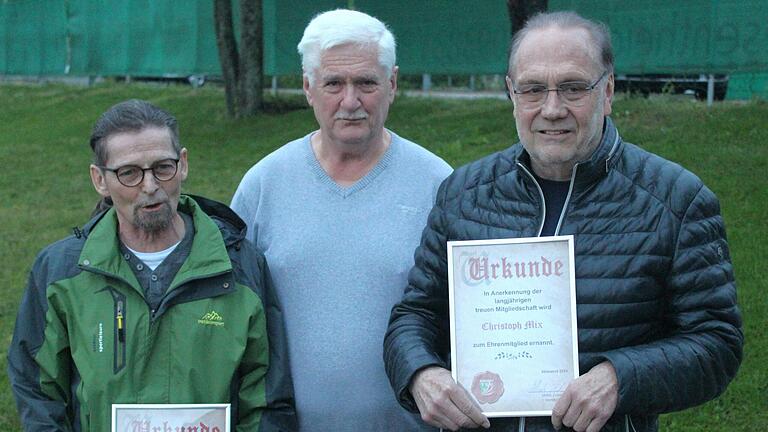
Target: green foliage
point(46, 189)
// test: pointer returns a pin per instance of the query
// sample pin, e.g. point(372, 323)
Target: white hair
point(340, 27)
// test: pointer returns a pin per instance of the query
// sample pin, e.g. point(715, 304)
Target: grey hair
point(133, 115)
point(598, 31)
point(343, 26)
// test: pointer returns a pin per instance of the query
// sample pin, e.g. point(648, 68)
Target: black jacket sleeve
point(703, 349)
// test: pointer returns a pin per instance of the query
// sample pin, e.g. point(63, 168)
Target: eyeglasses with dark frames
point(133, 175)
point(571, 92)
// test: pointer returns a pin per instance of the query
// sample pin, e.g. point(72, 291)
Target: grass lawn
point(46, 190)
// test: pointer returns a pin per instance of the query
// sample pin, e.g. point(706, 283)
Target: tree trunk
point(521, 10)
point(251, 73)
point(225, 41)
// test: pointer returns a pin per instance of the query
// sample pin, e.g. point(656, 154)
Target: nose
point(149, 184)
point(553, 107)
point(351, 98)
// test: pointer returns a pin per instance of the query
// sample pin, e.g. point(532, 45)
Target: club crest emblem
point(487, 387)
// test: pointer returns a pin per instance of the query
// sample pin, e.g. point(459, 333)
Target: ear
point(306, 85)
point(393, 83)
point(183, 165)
point(99, 181)
point(508, 83)
point(608, 95)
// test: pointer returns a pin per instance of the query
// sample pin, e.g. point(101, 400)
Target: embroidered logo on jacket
point(211, 318)
point(98, 339)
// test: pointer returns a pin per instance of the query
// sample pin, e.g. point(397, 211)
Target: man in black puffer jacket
point(658, 325)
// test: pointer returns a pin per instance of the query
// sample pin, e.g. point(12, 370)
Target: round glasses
point(573, 93)
point(133, 175)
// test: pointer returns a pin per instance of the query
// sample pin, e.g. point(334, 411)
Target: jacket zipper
point(541, 194)
point(544, 202)
point(120, 328)
point(120, 353)
point(628, 423)
point(570, 189)
point(567, 199)
point(521, 421)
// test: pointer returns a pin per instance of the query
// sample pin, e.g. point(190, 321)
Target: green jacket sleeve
point(265, 397)
point(39, 361)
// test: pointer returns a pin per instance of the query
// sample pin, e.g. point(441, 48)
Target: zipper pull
point(120, 329)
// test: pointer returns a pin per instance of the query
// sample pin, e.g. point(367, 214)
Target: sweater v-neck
point(363, 182)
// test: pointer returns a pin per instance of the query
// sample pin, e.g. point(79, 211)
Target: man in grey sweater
point(338, 214)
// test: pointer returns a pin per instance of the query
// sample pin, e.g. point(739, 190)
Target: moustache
point(355, 115)
point(145, 203)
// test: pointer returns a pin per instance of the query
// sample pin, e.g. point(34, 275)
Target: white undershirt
point(154, 259)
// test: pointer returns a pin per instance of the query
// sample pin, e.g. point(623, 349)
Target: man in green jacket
point(157, 300)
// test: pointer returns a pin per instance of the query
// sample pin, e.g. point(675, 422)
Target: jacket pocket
point(119, 333)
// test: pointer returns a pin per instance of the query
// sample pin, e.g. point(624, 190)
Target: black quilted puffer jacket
point(654, 283)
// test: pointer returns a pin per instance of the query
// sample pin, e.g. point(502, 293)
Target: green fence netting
point(176, 37)
point(747, 86)
point(430, 36)
point(284, 23)
point(142, 37)
point(446, 36)
point(33, 37)
point(682, 36)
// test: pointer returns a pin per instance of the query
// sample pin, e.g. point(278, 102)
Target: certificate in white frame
point(181, 417)
point(514, 342)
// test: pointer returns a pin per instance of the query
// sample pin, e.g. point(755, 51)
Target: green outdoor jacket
point(85, 338)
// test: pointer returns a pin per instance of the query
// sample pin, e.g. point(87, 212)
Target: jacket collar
point(208, 255)
point(599, 163)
